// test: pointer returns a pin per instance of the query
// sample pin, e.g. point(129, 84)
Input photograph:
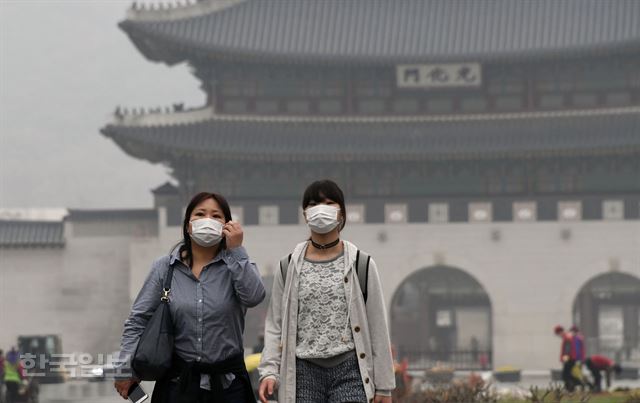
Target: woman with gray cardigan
point(326, 337)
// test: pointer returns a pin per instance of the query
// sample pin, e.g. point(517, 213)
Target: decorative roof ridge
point(30, 222)
point(176, 11)
point(173, 115)
point(76, 215)
point(33, 214)
point(208, 114)
point(116, 210)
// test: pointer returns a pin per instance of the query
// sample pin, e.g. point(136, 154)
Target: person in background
point(475, 346)
point(598, 364)
point(579, 345)
point(580, 354)
point(483, 360)
point(403, 379)
point(13, 375)
point(567, 358)
point(1, 376)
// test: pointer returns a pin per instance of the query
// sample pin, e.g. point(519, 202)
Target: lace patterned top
point(323, 329)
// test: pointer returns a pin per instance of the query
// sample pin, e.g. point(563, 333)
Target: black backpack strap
point(284, 266)
point(362, 269)
point(166, 289)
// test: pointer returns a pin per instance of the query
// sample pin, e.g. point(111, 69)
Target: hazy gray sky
point(64, 66)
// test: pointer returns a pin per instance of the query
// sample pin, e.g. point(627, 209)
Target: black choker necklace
point(325, 246)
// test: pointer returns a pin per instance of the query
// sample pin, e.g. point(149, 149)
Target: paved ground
point(84, 391)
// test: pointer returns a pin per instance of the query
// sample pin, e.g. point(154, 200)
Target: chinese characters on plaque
point(428, 76)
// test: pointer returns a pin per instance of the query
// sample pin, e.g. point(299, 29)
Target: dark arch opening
point(442, 315)
point(607, 311)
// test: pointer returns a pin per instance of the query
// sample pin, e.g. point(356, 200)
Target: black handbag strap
point(167, 285)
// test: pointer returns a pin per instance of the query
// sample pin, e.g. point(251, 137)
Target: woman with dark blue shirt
point(214, 283)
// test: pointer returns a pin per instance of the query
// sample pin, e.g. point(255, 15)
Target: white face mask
point(322, 218)
point(206, 232)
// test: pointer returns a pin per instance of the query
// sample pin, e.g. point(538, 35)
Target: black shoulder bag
point(153, 356)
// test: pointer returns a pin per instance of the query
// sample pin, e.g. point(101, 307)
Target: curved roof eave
point(379, 140)
point(163, 49)
point(383, 31)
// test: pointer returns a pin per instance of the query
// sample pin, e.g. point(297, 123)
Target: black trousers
point(597, 375)
point(570, 382)
point(12, 392)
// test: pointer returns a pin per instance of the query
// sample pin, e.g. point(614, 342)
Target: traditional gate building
point(489, 151)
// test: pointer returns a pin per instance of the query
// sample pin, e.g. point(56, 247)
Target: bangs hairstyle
point(320, 190)
point(185, 246)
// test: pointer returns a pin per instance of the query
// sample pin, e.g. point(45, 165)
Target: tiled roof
point(30, 234)
point(392, 31)
point(328, 139)
point(119, 214)
point(166, 189)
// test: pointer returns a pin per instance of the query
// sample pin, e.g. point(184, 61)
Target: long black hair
point(325, 189)
point(186, 253)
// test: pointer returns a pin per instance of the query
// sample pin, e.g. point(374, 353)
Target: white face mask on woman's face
point(322, 218)
point(206, 232)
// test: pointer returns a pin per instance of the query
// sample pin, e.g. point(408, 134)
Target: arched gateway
point(442, 314)
point(607, 311)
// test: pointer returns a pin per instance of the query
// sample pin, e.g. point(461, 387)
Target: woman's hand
point(381, 399)
point(233, 234)
point(123, 386)
point(267, 388)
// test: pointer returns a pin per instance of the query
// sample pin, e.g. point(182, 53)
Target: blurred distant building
point(70, 277)
point(489, 151)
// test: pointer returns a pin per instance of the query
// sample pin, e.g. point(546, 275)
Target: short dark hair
point(185, 246)
point(325, 189)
